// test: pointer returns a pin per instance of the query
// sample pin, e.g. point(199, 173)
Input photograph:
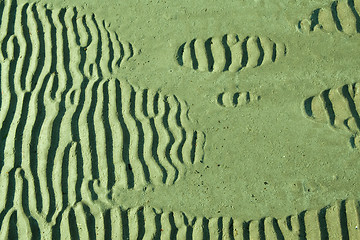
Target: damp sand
point(179, 120)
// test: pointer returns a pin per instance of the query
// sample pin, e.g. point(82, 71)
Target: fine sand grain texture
point(235, 119)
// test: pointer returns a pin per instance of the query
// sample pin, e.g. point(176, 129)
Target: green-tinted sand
point(262, 158)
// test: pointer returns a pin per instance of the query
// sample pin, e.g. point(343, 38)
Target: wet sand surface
point(179, 120)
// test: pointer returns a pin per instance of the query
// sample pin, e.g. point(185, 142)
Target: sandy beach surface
point(179, 119)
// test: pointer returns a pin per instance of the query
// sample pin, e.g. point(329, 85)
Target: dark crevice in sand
point(277, 229)
point(41, 58)
point(193, 54)
point(179, 54)
point(245, 56)
point(108, 138)
point(227, 52)
point(262, 229)
point(80, 172)
point(335, 16)
point(108, 224)
point(141, 223)
point(125, 136)
point(356, 14)
point(209, 55)
point(352, 141)
point(352, 105)
point(34, 142)
point(53, 42)
point(322, 223)
point(220, 227)
point(261, 50)
point(156, 103)
point(83, 49)
point(307, 106)
point(273, 56)
point(10, 195)
point(144, 102)
point(23, 108)
point(75, 26)
point(11, 111)
point(165, 122)
point(246, 230)
point(56, 138)
point(155, 147)
point(140, 131)
point(193, 147)
point(74, 232)
point(2, 9)
point(288, 223)
point(231, 230)
point(13, 227)
point(92, 136)
point(91, 189)
point(328, 106)
point(189, 232)
point(20, 130)
point(131, 49)
point(110, 47)
point(10, 28)
point(220, 99)
point(183, 132)
point(174, 229)
point(28, 50)
point(50, 161)
point(122, 52)
point(90, 222)
point(125, 224)
point(302, 229)
point(66, 52)
point(247, 97)
point(314, 19)
point(65, 178)
point(343, 220)
point(99, 47)
point(158, 228)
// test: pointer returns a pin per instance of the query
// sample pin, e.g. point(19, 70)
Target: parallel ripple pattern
point(70, 133)
point(37, 41)
point(341, 16)
point(235, 99)
point(109, 136)
point(339, 107)
point(340, 220)
point(230, 52)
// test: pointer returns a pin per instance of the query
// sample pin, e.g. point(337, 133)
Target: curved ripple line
point(338, 219)
point(229, 53)
point(337, 107)
point(339, 16)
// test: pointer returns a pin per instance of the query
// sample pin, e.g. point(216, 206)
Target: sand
point(186, 120)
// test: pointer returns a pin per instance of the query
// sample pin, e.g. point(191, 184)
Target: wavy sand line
point(338, 107)
point(74, 135)
point(340, 16)
point(77, 41)
point(340, 220)
point(229, 53)
point(65, 162)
